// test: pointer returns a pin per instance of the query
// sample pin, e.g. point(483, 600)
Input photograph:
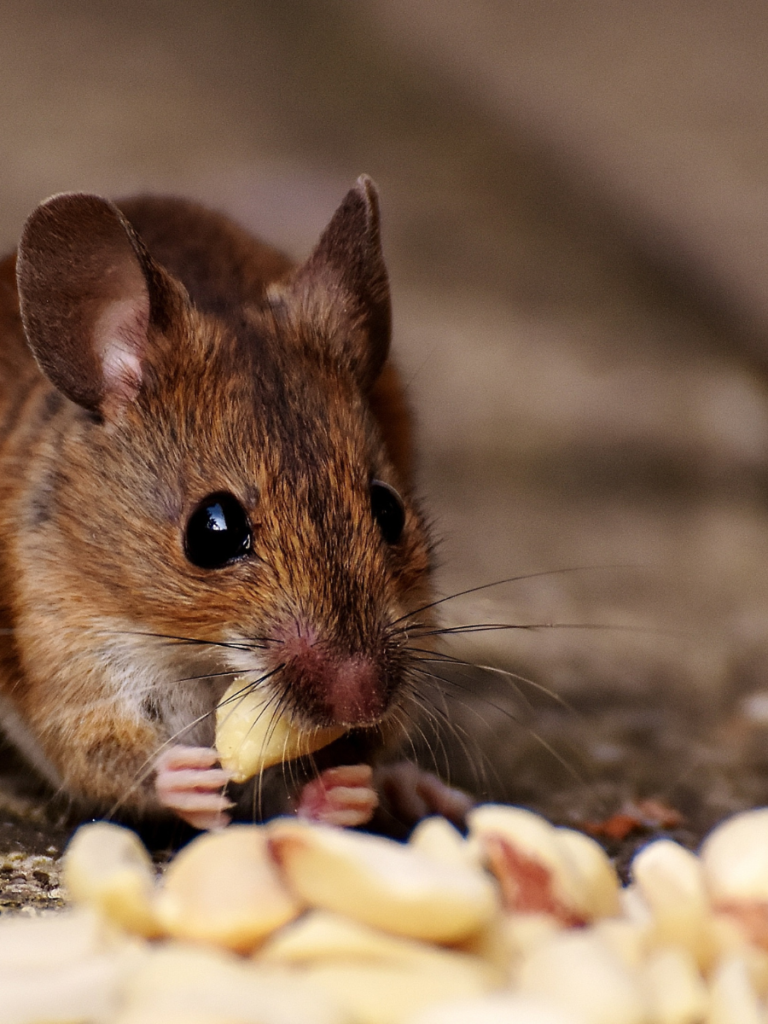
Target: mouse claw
point(340, 796)
point(188, 783)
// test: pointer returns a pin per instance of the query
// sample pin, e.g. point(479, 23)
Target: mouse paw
point(188, 784)
point(411, 794)
point(340, 796)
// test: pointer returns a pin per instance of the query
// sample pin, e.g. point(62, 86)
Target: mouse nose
point(355, 693)
point(333, 689)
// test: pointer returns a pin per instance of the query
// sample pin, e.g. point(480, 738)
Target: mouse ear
point(346, 275)
point(87, 292)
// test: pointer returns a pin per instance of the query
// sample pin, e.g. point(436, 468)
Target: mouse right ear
point(345, 279)
point(88, 292)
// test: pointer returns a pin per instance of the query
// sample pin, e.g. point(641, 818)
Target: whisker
point(430, 714)
point(434, 658)
point(232, 645)
point(431, 674)
point(247, 687)
point(289, 765)
point(441, 657)
point(456, 729)
point(534, 684)
point(409, 737)
point(478, 761)
point(274, 707)
point(566, 765)
point(510, 579)
point(415, 725)
point(209, 675)
point(312, 761)
point(274, 699)
point(484, 627)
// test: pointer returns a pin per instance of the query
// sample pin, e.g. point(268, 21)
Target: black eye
point(218, 532)
point(388, 511)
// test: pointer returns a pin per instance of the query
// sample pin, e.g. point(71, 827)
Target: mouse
point(207, 461)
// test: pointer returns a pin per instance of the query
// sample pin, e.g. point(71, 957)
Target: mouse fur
point(154, 353)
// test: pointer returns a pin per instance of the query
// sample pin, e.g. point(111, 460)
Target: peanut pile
point(293, 923)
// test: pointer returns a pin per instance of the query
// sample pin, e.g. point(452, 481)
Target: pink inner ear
point(119, 341)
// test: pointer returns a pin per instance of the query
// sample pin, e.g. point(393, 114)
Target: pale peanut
point(381, 883)
point(223, 888)
point(108, 868)
point(252, 733)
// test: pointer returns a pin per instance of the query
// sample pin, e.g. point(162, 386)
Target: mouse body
point(207, 474)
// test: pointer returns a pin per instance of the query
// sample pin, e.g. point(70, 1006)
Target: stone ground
point(574, 214)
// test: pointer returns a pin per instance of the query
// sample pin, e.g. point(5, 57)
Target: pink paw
point(188, 784)
point(340, 796)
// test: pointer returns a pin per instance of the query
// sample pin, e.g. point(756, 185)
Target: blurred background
point(575, 204)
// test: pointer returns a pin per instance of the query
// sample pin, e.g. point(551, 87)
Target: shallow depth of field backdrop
point(575, 203)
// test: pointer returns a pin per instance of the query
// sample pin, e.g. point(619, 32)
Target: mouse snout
point(333, 688)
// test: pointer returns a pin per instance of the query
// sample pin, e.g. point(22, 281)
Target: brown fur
point(236, 372)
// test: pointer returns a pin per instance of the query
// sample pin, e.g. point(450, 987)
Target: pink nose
point(354, 692)
point(346, 690)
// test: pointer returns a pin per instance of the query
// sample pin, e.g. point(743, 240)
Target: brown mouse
point(206, 463)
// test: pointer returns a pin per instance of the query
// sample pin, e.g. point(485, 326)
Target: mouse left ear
point(344, 283)
point(88, 292)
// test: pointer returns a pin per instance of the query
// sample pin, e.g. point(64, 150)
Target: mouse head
point(224, 480)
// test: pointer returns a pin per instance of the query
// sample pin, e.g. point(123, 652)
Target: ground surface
point(575, 217)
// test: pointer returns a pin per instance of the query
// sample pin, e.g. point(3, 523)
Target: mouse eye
point(218, 532)
point(388, 511)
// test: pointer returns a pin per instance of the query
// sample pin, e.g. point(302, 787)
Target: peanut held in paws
point(252, 734)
